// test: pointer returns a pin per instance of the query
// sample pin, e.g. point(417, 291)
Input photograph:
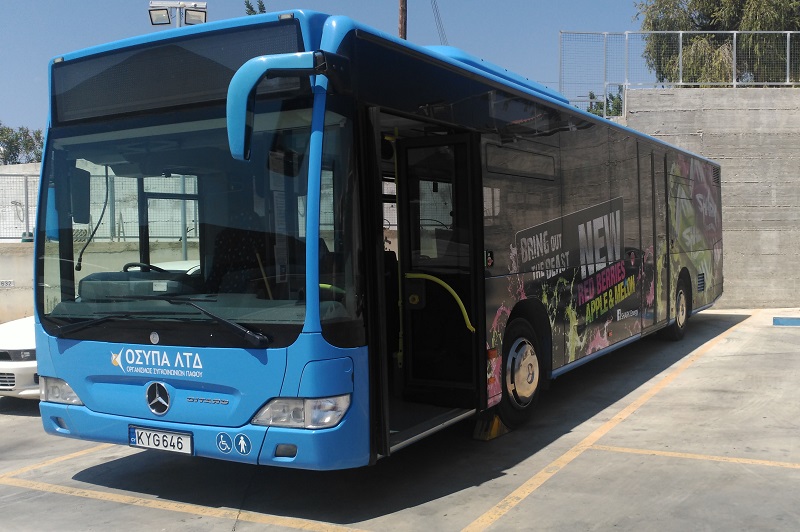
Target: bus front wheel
point(522, 373)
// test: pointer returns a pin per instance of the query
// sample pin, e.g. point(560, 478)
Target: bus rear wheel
point(522, 373)
point(683, 308)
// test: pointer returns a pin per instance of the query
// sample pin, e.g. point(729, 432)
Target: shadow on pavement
point(13, 406)
point(439, 466)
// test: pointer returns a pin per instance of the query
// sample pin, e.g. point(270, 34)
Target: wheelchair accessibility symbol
point(224, 442)
point(242, 443)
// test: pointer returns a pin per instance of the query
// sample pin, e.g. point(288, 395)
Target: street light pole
point(185, 12)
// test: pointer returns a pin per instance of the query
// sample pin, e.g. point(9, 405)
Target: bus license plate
point(175, 442)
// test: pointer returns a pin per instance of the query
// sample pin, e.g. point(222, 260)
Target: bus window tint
point(341, 285)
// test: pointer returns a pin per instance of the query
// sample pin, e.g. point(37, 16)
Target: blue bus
point(293, 240)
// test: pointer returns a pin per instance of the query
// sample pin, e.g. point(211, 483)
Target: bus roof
point(326, 32)
point(461, 56)
point(313, 25)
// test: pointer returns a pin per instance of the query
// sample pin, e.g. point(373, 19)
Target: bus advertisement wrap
point(580, 270)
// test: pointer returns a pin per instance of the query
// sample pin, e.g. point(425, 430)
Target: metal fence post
point(560, 62)
point(605, 74)
point(733, 65)
point(627, 75)
point(112, 207)
point(184, 231)
point(788, 56)
point(27, 234)
point(680, 58)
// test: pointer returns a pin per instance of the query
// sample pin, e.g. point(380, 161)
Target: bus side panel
point(517, 209)
point(695, 227)
point(576, 244)
point(602, 233)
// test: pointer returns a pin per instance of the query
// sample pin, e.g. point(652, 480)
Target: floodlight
point(194, 16)
point(159, 17)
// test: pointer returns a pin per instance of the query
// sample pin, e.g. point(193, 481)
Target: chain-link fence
point(596, 68)
point(170, 205)
point(114, 215)
point(18, 206)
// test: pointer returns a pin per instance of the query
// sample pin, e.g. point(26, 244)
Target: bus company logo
point(116, 360)
point(158, 363)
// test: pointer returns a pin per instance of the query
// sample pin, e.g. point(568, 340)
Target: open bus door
point(434, 370)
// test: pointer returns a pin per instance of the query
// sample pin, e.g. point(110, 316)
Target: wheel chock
point(489, 427)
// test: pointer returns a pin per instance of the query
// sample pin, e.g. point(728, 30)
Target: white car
point(18, 376)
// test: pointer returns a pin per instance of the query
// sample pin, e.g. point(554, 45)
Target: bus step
point(408, 436)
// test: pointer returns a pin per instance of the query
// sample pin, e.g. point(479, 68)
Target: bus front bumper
point(343, 446)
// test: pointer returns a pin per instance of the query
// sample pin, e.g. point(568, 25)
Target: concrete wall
point(16, 281)
point(755, 135)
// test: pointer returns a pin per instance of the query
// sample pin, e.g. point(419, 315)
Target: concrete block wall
point(16, 281)
point(755, 135)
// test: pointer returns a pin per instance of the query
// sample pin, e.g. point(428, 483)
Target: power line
point(439, 24)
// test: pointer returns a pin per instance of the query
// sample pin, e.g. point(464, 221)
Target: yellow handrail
point(449, 289)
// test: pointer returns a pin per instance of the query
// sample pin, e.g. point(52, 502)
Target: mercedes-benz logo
point(158, 398)
point(531, 374)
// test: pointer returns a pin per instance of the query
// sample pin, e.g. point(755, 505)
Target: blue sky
point(521, 35)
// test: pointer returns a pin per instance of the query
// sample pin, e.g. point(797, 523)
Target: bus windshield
point(157, 223)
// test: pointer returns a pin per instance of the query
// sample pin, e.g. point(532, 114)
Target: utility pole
point(401, 27)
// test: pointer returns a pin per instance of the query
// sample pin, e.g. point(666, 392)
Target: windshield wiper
point(68, 328)
point(254, 338)
point(61, 330)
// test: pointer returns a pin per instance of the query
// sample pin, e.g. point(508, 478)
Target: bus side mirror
point(242, 88)
point(242, 94)
point(79, 195)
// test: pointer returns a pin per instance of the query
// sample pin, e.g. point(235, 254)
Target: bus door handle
point(416, 294)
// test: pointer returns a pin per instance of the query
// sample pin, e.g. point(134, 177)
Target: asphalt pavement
point(700, 434)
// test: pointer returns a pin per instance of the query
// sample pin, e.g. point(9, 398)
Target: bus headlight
point(57, 391)
point(316, 413)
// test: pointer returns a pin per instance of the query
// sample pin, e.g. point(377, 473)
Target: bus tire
point(522, 373)
point(683, 308)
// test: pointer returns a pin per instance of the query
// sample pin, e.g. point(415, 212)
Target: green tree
point(612, 106)
point(250, 10)
point(708, 57)
point(20, 145)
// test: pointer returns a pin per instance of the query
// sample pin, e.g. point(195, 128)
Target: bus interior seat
point(244, 262)
point(240, 256)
